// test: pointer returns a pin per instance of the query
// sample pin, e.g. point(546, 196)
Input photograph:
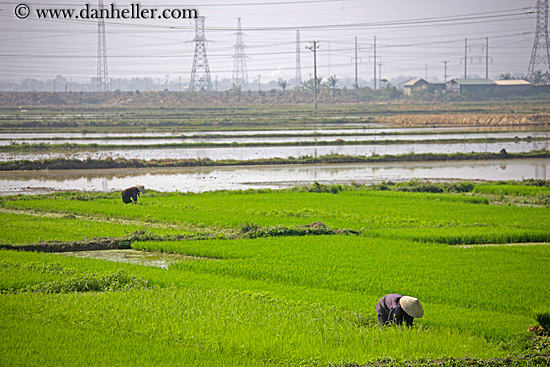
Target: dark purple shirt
point(389, 311)
point(130, 194)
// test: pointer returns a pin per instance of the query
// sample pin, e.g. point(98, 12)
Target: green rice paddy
point(287, 299)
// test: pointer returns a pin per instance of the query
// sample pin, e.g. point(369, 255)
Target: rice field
point(285, 297)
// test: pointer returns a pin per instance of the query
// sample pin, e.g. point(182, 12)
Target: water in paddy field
point(250, 153)
point(200, 179)
point(145, 258)
point(261, 138)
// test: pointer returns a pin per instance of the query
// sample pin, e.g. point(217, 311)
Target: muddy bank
point(469, 119)
point(103, 243)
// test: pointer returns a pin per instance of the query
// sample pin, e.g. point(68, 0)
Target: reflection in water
point(249, 153)
point(272, 139)
point(200, 179)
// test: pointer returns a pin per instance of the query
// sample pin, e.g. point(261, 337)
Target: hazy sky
point(412, 35)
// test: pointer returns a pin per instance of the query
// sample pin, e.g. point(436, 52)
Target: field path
point(99, 218)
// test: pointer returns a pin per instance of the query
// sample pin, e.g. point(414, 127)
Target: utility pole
point(356, 82)
point(486, 57)
point(374, 62)
point(259, 83)
point(426, 72)
point(102, 81)
point(179, 84)
point(445, 62)
point(380, 73)
point(298, 68)
point(465, 58)
point(328, 57)
point(314, 49)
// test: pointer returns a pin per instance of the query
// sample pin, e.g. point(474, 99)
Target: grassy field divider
point(125, 242)
point(26, 147)
point(64, 163)
point(460, 236)
point(103, 243)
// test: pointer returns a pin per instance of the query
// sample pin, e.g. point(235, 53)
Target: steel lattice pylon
point(102, 80)
point(240, 73)
point(200, 73)
point(540, 56)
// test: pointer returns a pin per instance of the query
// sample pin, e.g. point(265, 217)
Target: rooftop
point(413, 82)
point(474, 81)
point(512, 82)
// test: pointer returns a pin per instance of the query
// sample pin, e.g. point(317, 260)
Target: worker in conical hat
point(131, 194)
point(396, 308)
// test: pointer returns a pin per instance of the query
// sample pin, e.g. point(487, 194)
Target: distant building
point(519, 86)
point(440, 88)
point(471, 86)
point(415, 86)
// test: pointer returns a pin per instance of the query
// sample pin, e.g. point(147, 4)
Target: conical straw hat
point(141, 188)
point(411, 306)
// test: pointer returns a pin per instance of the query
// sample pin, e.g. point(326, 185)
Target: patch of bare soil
point(468, 119)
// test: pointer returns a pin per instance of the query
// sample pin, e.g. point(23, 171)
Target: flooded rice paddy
point(262, 152)
point(200, 179)
point(275, 138)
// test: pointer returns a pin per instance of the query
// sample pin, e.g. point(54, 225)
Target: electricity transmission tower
point(200, 73)
point(240, 74)
point(540, 56)
point(102, 80)
point(298, 69)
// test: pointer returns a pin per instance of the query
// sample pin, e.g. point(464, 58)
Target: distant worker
point(132, 193)
point(394, 308)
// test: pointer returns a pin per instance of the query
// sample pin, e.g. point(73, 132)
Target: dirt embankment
point(469, 119)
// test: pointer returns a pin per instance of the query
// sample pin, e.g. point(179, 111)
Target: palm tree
point(332, 81)
point(537, 77)
point(506, 76)
point(283, 84)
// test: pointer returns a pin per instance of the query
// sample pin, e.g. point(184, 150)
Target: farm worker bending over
point(132, 193)
point(394, 308)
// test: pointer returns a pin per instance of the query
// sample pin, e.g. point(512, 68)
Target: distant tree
point(506, 76)
point(282, 83)
point(236, 89)
point(546, 77)
point(537, 77)
point(308, 84)
point(332, 81)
